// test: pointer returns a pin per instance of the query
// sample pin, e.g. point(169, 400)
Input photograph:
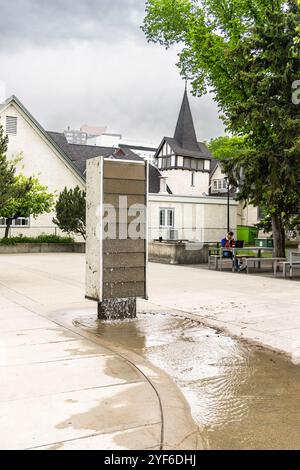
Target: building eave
point(13, 100)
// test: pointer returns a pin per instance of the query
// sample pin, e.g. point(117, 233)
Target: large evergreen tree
point(247, 53)
point(71, 211)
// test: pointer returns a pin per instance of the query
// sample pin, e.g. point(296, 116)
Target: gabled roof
point(75, 155)
point(45, 135)
point(184, 142)
point(213, 166)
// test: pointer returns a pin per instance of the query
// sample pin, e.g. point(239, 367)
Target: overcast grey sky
point(87, 62)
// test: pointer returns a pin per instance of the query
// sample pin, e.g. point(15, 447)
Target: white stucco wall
point(249, 215)
point(199, 219)
point(179, 181)
point(41, 160)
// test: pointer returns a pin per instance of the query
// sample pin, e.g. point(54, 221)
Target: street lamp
point(228, 203)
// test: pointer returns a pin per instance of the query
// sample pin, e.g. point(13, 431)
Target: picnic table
point(216, 257)
point(257, 249)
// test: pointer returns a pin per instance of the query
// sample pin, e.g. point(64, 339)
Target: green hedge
point(39, 239)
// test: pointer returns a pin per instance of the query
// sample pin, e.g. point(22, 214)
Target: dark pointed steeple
point(185, 134)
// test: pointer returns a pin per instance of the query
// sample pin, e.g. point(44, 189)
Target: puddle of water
point(244, 397)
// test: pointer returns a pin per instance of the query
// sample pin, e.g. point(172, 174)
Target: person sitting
point(229, 242)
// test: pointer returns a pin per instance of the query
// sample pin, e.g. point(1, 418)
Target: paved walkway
point(63, 388)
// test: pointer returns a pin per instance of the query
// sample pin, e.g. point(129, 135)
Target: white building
point(246, 215)
point(179, 205)
point(40, 157)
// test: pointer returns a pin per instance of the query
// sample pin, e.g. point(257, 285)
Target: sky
point(75, 62)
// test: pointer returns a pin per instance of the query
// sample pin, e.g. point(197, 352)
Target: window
point(201, 165)
point(11, 125)
point(193, 164)
point(168, 160)
point(166, 217)
point(220, 185)
point(180, 162)
point(260, 213)
point(207, 165)
point(193, 179)
point(187, 163)
point(20, 222)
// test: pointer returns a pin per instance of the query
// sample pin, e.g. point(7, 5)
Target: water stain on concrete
point(243, 396)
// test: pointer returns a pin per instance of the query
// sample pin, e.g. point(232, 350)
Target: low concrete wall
point(42, 248)
point(178, 253)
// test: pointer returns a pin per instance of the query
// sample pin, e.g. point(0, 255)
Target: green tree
point(7, 171)
point(71, 210)
point(27, 198)
point(225, 147)
point(247, 53)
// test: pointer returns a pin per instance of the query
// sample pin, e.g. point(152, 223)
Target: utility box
point(116, 245)
point(264, 242)
point(247, 234)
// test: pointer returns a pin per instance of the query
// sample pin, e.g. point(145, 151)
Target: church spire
point(185, 134)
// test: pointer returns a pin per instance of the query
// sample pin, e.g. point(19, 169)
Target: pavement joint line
point(18, 293)
point(48, 275)
point(84, 356)
point(39, 344)
point(129, 382)
point(25, 329)
point(98, 434)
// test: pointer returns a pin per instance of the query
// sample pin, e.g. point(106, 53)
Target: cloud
point(87, 62)
point(44, 21)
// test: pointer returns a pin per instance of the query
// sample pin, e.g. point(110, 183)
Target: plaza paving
point(63, 388)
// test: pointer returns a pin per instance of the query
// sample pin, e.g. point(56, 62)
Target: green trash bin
point(264, 242)
point(247, 234)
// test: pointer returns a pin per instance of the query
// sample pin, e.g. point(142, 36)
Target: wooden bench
point(274, 262)
point(293, 263)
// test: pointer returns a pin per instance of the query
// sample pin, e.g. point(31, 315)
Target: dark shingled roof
point(184, 142)
point(79, 154)
point(154, 180)
point(185, 134)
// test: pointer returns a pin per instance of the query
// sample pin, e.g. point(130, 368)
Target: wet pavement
point(244, 397)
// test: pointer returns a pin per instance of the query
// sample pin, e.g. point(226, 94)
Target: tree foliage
point(71, 210)
point(7, 171)
point(225, 147)
point(247, 53)
point(27, 198)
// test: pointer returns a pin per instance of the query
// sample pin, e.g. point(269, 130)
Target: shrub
point(39, 239)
